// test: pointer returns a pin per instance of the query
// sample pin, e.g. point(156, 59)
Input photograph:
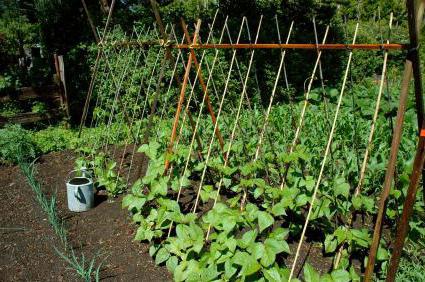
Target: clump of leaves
point(105, 176)
point(16, 145)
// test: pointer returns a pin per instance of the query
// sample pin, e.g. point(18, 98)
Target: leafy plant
point(16, 145)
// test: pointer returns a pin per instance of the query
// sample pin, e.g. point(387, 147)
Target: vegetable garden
point(237, 190)
point(227, 141)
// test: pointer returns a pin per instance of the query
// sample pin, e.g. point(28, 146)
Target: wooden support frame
point(180, 101)
point(204, 87)
point(412, 68)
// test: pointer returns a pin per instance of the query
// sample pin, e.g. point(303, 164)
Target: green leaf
point(279, 209)
point(247, 238)
point(248, 263)
point(361, 237)
point(160, 187)
point(257, 250)
point(342, 188)
point(161, 256)
point(382, 254)
point(340, 275)
point(310, 274)
point(279, 233)
point(264, 220)
point(179, 271)
point(143, 234)
point(152, 250)
point(272, 275)
point(272, 248)
point(132, 202)
point(330, 244)
point(172, 263)
point(231, 244)
point(229, 270)
point(357, 202)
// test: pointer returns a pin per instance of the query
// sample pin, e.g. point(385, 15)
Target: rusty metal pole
point(204, 87)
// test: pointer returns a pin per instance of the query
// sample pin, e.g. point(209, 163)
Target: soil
point(27, 240)
point(105, 231)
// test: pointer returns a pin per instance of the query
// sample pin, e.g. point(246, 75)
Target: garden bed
point(104, 231)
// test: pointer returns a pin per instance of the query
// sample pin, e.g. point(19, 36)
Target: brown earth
point(28, 254)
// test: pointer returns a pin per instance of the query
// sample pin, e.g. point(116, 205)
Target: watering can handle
point(70, 173)
point(77, 193)
point(75, 170)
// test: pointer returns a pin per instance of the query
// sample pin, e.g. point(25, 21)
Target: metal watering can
point(80, 191)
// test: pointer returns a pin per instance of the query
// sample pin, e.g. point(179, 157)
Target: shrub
point(16, 145)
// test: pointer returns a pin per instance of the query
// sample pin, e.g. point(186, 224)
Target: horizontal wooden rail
point(330, 46)
point(296, 46)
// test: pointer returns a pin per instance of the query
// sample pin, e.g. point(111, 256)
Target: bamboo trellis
point(143, 50)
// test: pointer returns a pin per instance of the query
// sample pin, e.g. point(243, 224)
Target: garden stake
point(409, 203)
point(130, 126)
point(218, 115)
point(201, 81)
point(300, 46)
point(236, 59)
point(197, 124)
point(181, 98)
point(276, 82)
point(117, 98)
point(375, 117)
point(130, 129)
point(99, 98)
point(407, 75)
point(267, 114)
point(291, 102)
point(96, 65)
point(113, 89)
point(170, 57)
point(316, 188)
point(194, 126)
point(303, 111)
point(235, 125)
point(90, 20)
point(415, 11)
point(412, 67)
point(369, 143)
point(142, 114)
point(187, 111)
point(322, 83)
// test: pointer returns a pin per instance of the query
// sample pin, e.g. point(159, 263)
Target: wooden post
point(90, 20)
point(181, 99)
point(398, 130)
point(412, 67)
point(415, 12)
point(204, 87)
point(60, 76)
point(409, 203)
point(63, 84)
point(170, 58)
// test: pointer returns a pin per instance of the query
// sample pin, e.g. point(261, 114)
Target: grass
point(87, 270)
point(412, 265)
